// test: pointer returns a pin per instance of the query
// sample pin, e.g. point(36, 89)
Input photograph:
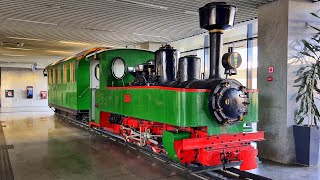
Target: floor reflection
point(46, 148)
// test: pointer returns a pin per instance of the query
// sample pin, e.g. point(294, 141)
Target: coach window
point(65, 74)
point(49, 76)
point(72, 72)
point(54, 75)
point(59, 75)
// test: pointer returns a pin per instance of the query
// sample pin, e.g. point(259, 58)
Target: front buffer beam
point(213, 150)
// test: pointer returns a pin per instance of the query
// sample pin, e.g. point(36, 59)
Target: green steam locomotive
point(161, 102)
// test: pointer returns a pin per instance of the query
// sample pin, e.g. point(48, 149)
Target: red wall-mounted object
point(271, 69)
point(43, 95)
point(270, 79)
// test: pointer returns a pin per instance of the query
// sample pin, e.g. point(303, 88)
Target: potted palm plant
point(306, 131)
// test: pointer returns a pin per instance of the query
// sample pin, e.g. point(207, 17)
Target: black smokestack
point(216, 17)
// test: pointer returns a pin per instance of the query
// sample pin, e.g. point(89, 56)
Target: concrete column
point(282, 25)
point(152, 46)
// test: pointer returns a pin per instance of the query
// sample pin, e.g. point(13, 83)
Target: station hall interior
point(159, 90)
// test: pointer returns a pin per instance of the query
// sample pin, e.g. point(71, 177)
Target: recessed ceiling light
point(14, 55)
point(192, 13)
point(95, 29)
point(23, 49)
point(61, 52)
point(148, 35)
point(29, 21)
point(74, 43)
point(24, 38)
point(145, 4)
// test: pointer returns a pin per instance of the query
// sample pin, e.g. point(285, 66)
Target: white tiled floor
point(46, 148)
point(25, 109)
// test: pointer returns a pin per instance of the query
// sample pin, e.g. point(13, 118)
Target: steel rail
point(204, 173)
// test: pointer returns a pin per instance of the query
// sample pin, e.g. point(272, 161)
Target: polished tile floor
point(45, 148)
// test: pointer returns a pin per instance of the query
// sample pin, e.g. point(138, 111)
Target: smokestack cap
point(217, 16)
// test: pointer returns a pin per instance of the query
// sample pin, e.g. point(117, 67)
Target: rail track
point(225, 172)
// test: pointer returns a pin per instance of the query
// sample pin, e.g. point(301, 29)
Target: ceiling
point(44, 31)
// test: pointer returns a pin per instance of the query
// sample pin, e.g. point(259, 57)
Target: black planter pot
point(307, 144)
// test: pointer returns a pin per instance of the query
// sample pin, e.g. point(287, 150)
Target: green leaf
point(316, 38)
point(315, 122)
point(303, 87)
point(300, 120)
point(298, 86)
point(299, 96)
point(302, 105)
point(310, 47)
point(307, 54)
point(315, 15)
point(302, 69)
point(315, 28)
point(301, 90)
point(317, 89)
point(298, 80)
point(316, 111)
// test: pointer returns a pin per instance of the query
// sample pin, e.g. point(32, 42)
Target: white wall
point(18, 79)
point(238, 32)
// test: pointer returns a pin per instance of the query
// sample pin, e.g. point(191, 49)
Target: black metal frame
point(6, 171)
point(249, 55)
point(68, 110)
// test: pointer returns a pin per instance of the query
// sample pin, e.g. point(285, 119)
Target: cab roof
point(80, 55)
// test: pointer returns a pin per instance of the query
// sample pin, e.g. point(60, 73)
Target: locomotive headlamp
point(231, 60)
point(118, 68)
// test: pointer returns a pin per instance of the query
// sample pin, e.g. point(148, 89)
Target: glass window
point(255, 65)
point(241, 76)
point(54, 75)
point(118, 68)
point(97, 71)
point(59, 75)
point(72, 72)
point(64, 73)
point(49, 76)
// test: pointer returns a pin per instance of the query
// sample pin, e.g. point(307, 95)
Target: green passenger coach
point(69, 90)
point(68, 85)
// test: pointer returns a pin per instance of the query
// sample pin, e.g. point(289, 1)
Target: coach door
point(94, 85)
